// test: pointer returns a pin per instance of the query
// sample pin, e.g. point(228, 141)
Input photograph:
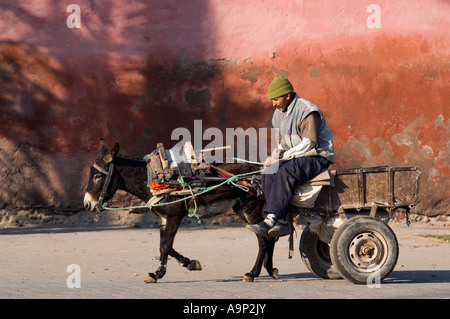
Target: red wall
point(136, 70)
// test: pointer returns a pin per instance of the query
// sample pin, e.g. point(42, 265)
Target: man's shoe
point(260, 229)
point(280, 229)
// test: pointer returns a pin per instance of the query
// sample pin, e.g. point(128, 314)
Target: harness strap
point(106, 185)
point(101, 170)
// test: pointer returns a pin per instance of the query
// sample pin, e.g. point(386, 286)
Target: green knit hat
point(279, 87)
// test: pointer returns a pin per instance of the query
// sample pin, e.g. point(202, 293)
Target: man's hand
point(269, 161)
point(276, 155)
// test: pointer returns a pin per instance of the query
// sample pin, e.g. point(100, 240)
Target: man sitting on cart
point(305, 149)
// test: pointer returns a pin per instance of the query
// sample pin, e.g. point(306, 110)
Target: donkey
point(111, 172)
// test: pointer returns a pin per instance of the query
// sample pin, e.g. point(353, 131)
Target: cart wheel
point(364, 249)
point(316, 255)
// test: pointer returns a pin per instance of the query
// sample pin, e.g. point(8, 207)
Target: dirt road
point(112, 263)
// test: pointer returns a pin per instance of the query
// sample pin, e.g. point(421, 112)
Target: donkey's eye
point(97, 177)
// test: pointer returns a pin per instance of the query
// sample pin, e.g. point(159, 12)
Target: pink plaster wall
point(136, 70)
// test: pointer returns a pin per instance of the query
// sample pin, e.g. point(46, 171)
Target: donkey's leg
point(167, 236)
point(265, 256)
point(268, 261)
point(253, 214)
point(186, 262)
point(256, 270)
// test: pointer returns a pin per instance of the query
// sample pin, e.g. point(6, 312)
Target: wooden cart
point(348, 234)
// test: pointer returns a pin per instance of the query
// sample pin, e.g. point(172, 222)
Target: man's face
point(282, 102)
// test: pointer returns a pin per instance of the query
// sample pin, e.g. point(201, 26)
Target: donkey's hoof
point(275, 273)
point(150, 279)
point(248, 278)
point(195, 265)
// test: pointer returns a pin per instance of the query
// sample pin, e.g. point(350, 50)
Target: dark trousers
point(279, 181)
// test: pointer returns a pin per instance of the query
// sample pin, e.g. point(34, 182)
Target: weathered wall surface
point(136, 70)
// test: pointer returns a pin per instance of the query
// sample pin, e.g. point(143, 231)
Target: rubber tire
point(346, 238)
point(316, 255)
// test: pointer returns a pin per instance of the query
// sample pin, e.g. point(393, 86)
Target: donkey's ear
point(115, 149)
point(102, 147)
point(111, 154)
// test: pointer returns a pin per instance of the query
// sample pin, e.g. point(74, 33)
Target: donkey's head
point(102, 183)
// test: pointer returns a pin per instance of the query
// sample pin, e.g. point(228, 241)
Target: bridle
point(108, 174)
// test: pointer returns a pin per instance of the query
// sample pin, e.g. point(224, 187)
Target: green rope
point(230, 181)
point(183, 184)
point(246, 161)
point(233, 180)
